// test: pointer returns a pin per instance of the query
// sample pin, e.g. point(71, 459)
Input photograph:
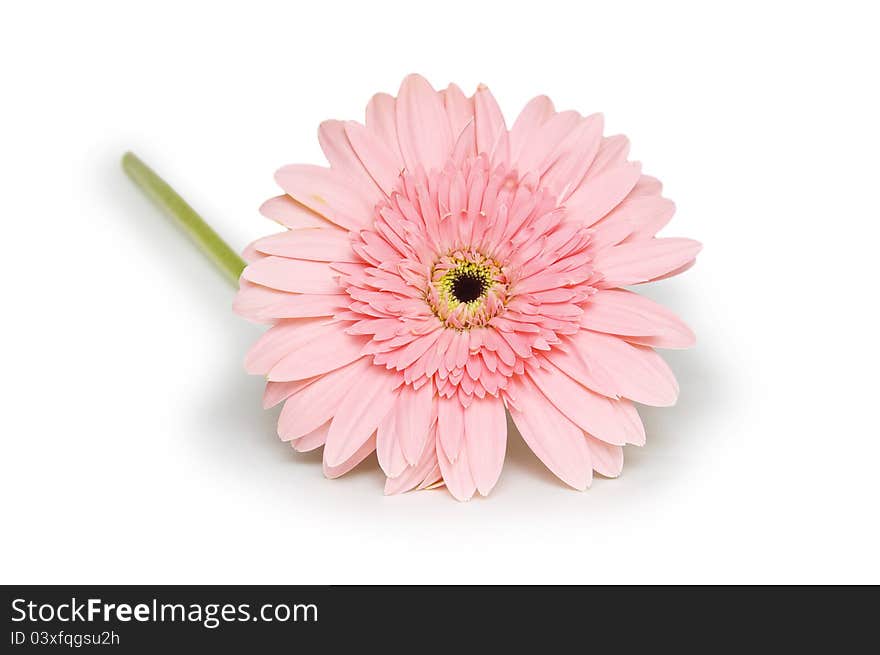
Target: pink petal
point(251, 254)
point(457, 475)
point(565, 174)
point(557, 442)
point(639, 319)
point(450, 426)
point(460, 111)
point(343, 158)
point(676, 271)
point(382, 123)
point(276, 392)
point(314, 439)
point(635, 218)
point(360, 455)
point(328, 193)
point(413, 420)
point(277, 341)
point(647, 186)
point(433, 480)
point(612, 153)
point(604, 418)
point(422, 127)
point(545, 145)
point(643, 261)
point(596, 197)
point(359, 413)
point(264, 305)
point(572, 362)
point(294, 275)
point(638, 372)
point(290, 213)
point(488, 119)
point(380, 161)
point(607, 459)
point(536, 112)
point(315, 404)
point(316, 244)
point(485, 435)
point(415, 476)
point(388, 448)
point(325, 351)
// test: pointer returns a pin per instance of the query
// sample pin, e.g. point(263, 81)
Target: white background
point(134, 446)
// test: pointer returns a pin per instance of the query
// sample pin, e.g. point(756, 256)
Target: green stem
point(170, 202)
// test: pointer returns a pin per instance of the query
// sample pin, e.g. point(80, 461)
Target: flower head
point(446, 268)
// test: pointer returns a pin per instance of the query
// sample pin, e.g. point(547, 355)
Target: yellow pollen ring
point(452, 279)
point(466, 289)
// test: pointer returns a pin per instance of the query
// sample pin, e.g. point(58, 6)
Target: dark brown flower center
point(469, 286)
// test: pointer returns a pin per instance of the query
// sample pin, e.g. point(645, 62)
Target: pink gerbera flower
point(446, 268)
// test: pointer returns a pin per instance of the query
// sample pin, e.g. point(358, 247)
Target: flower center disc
point(466, 290)
point(469, 285)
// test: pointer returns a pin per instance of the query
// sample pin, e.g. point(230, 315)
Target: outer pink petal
point(294, 275)
point(450, 426)
point(460, 111)
point(675, 271)
point(328, 350)
point(377, 157)
point(536, 112)
point(415, 476)
point(413, 420)
point(360, 455)
point(488, 119)
point(343, 158)
point(630, 415)
point(264, 305)
point(638, 319)
point(557, 442)
point(638, 372)
point(637, 217)
point(595, 198)
point(251, 254)
point(571, 361)
point(276, 392)
point(643, 261)
point(359, 413)
point(314, 439)
point(647, 186)
point(328, 193)
point(290, 213)
point(308, 409)
point(607, 459)
point(604, 418)
point(566, 173)
point(612, 153)
point(422, 127)
point(382, 123)
point(278, 340)
point(316, 244)
point(388, 448)
point(434, 479)
point(485, 435)
point(545, 145)
point(457, 475)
